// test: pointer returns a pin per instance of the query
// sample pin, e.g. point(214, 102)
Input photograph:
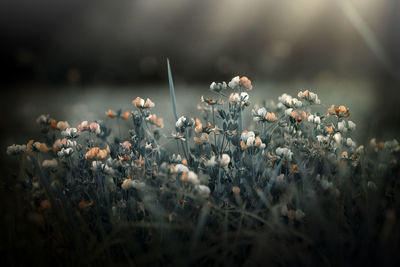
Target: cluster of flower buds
point(240, 82)
point(62, 125)
point(16, 149)
point(184, 122)
point(340, 111)
point(218, 87)
point(159, 122)
point(119, 114)
point(96, 153)
point(289, 101)
point(284, 153)
point(261, 115)
point(93, 127)
point(249, 139)
point(298, 115)
point(314, 119)
point(342, 127)
point(37, 146)
point(311, 97)
point(63, 143)
point(241, 99)
point(70, 133)
point(65, 152)
point(140, 103)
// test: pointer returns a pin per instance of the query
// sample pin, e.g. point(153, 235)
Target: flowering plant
point(223, 184)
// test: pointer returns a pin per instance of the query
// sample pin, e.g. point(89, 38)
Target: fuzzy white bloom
point(70, 133)
point(350, 142)
point(192, 178)
point(322, 138)
point(284, 152)
point(218, 87)
point(296, 103)
point(16, 149)
point(65, 152)
point(338, 138)
point(203, 190)
point(262, 112)
point(246, 135)
point(342, 126)
point(250, 141)
point(244, 97)
point(179, 123)
point(181, 168)
point(351, 125)
point(235, 82)
point(289, 101)
point(259, 114)
point(225, 159)
point(288, 111)
point(285, 99)
point(314, 119)
point(211, 162)
point(184, 122)
point(49, 164)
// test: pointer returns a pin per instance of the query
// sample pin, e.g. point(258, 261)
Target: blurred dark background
point(57, 53)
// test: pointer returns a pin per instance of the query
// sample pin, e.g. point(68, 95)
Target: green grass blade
point(172, 90)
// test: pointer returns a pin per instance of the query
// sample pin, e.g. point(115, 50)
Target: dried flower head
point(309, 96)
point(110, 113)
point(62, 125)
point(246, 83)
point(140, 103)
point(298, 115)
point(16, 149)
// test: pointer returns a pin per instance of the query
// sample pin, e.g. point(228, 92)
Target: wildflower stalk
point(187, 143)
point(215, 134)
point(240, 120)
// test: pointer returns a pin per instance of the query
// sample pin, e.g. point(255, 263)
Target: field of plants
point(244, 181)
